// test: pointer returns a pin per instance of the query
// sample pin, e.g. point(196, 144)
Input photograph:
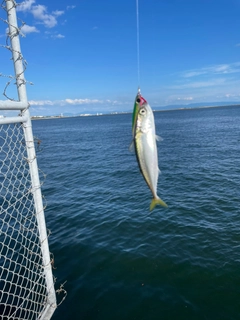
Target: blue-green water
point(119, 261)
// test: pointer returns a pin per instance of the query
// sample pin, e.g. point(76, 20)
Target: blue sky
point(82, 55)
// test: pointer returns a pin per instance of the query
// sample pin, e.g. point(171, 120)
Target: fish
point(144, 141)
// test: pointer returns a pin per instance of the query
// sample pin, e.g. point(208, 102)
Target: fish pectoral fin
point(158, 138)
point(131, 147)
point(156, 201)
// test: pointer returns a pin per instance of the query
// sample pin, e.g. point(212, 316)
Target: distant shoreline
point(127, 112)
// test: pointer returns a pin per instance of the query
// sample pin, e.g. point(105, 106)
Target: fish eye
point(138, 100)
point(142, 111)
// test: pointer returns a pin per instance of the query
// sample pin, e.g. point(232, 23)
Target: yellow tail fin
point(156, 201)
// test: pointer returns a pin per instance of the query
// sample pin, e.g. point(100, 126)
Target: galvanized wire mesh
point(23, 288)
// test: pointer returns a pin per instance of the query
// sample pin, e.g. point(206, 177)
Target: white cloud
point(82, 101)
point(40, 13)
point(199, 84)
point(41, 102)
point(58, 13)
point(28, 29)
point(222, 68)
point(185, 99)
point(58, 36)
point(218, 82)
point(71, 7)
point(229, 95)
point(216, 69)
point(55, 35)
point(73, 102)
point(190, 74)
point(25, 5)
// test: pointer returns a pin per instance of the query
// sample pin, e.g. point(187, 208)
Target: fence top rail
point(13, 105)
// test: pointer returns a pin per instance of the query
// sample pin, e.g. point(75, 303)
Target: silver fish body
point(146, 150)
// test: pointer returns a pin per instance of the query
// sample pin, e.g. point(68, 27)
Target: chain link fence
point(26, 280)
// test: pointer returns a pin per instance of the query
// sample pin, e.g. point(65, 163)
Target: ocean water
point(115, 258)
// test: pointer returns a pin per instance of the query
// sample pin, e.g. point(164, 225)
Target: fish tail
point(156, 201)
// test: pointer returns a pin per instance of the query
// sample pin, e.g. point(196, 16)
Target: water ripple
point(123, 262)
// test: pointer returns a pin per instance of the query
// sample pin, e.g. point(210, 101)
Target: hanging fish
point(144, 139)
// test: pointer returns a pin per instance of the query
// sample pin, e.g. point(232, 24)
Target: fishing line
point(138, 50)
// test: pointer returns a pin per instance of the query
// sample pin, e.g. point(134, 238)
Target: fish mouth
point(140, 100)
